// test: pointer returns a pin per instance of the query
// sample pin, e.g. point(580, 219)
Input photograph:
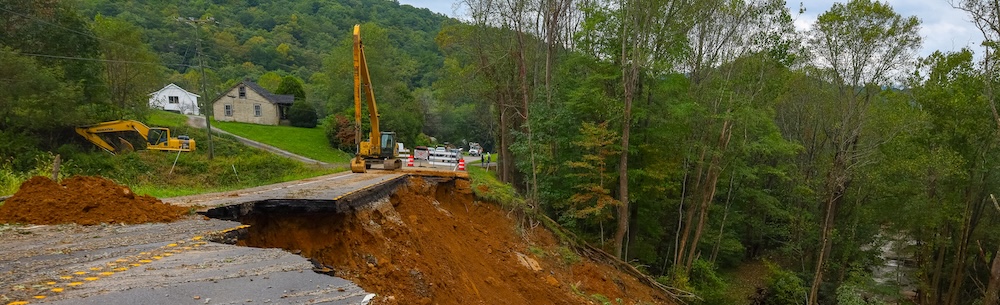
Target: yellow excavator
point(118, 136)
point(381, 145)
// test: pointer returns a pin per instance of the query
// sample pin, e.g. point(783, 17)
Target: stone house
point(175, 99)
point(248, 102)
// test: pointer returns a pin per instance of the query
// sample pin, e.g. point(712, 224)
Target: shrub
point(340, 132)
point(302, 115)
point(784, 287)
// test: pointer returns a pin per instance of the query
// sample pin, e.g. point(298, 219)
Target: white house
point(176, 99)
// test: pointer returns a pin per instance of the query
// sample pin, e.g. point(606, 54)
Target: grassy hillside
point(235, 165)
point(307, 142)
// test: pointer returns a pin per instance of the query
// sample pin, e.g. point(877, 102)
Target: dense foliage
point(692, 138)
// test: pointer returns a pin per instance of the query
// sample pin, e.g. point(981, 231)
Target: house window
point(229, 110)
point(256, 110)
point(243, 92)
point(173, 99)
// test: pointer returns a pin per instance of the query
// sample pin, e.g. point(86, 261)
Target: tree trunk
point(708, 189)
point(623, 207)
point(990, 297)
point(725, 215)
point(689, 218)
point(836, 187)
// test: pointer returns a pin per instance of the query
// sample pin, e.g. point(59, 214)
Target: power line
point(97, 59)
point(65, 28)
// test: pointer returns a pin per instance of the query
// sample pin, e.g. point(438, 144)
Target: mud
point(432, 243)
point(84, 200)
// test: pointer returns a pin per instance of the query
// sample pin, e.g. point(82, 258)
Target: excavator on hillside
point(119, 136)
point(381, 145)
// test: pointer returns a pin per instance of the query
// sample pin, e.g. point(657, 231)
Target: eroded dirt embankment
point(431, 243)
point(85, 200)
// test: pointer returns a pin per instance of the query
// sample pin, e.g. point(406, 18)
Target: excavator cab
point(157, 136)
point(388, 145)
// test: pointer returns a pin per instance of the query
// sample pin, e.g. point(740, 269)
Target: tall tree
point(649, 30)
point(131, 69)
point(725, 32)
point(858, 45)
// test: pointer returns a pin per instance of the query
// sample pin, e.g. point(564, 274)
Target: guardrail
point(434, 157)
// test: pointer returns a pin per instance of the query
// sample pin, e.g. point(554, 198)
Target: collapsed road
point(411, 237)
point(176, 263)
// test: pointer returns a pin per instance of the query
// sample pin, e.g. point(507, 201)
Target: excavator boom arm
point(363, 91)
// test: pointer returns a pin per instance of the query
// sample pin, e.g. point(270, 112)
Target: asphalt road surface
point(174, 263)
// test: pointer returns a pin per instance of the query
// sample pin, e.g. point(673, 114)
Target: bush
point(302, 115)
point(340, 132)
point(784, 287)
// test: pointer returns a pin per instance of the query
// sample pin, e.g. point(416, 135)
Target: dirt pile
point(432, 244)
point(84, 200)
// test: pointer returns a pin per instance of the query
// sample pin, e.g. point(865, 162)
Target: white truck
point(475, 149)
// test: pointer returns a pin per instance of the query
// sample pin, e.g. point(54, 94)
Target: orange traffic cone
point(461, 164)
point(409, 161)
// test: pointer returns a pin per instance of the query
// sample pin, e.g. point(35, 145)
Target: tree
point(131, 69)
point(598, 145)
point(858, 45)
point(301, 113)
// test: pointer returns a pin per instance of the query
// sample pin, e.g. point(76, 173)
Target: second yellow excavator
point(118, 136)
point(381, 145)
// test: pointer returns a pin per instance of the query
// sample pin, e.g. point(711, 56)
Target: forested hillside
point(694, 139)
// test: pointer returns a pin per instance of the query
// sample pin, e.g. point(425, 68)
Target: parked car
point(474, 152)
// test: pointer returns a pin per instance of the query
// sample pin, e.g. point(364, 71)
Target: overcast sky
point(943, 28)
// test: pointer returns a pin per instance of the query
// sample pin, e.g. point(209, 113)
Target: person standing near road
point(482, 160)
point(489, 159)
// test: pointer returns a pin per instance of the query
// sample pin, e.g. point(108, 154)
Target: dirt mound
point(433, 244)
point(83, 200)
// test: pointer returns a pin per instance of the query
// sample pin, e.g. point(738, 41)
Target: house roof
point(171, 85)
point(280, 99)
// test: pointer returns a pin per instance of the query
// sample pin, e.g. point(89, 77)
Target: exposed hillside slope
point(432, 243)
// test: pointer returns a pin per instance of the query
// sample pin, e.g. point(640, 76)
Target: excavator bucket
point(358, 165)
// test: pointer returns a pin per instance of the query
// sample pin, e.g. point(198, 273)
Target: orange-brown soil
point(84, 200)
point(433, 244)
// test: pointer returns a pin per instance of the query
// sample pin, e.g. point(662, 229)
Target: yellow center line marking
point(106, 273)
point(144, 261)
point(74, 284)
point(39, 297)
point(136, 265)
point(143, 253)
point(65, 277)
point(18, 303)
point(56, 290)
point(196, 238)
point(121, 269)
point(121, 260)
point(95, 268)
point(171, 245)
point(90, 278)
point(80, 272)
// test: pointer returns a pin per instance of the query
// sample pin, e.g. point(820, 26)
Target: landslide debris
point(432, 243)
point(85, 200)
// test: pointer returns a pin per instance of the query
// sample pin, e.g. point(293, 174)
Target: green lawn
point(166, 118)
point(308, 142)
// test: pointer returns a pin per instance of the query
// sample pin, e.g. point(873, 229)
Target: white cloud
point(942, 27)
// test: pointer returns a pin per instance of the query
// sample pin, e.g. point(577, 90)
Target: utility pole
point(201, 65)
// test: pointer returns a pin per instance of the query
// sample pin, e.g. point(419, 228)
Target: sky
point(942, 27)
